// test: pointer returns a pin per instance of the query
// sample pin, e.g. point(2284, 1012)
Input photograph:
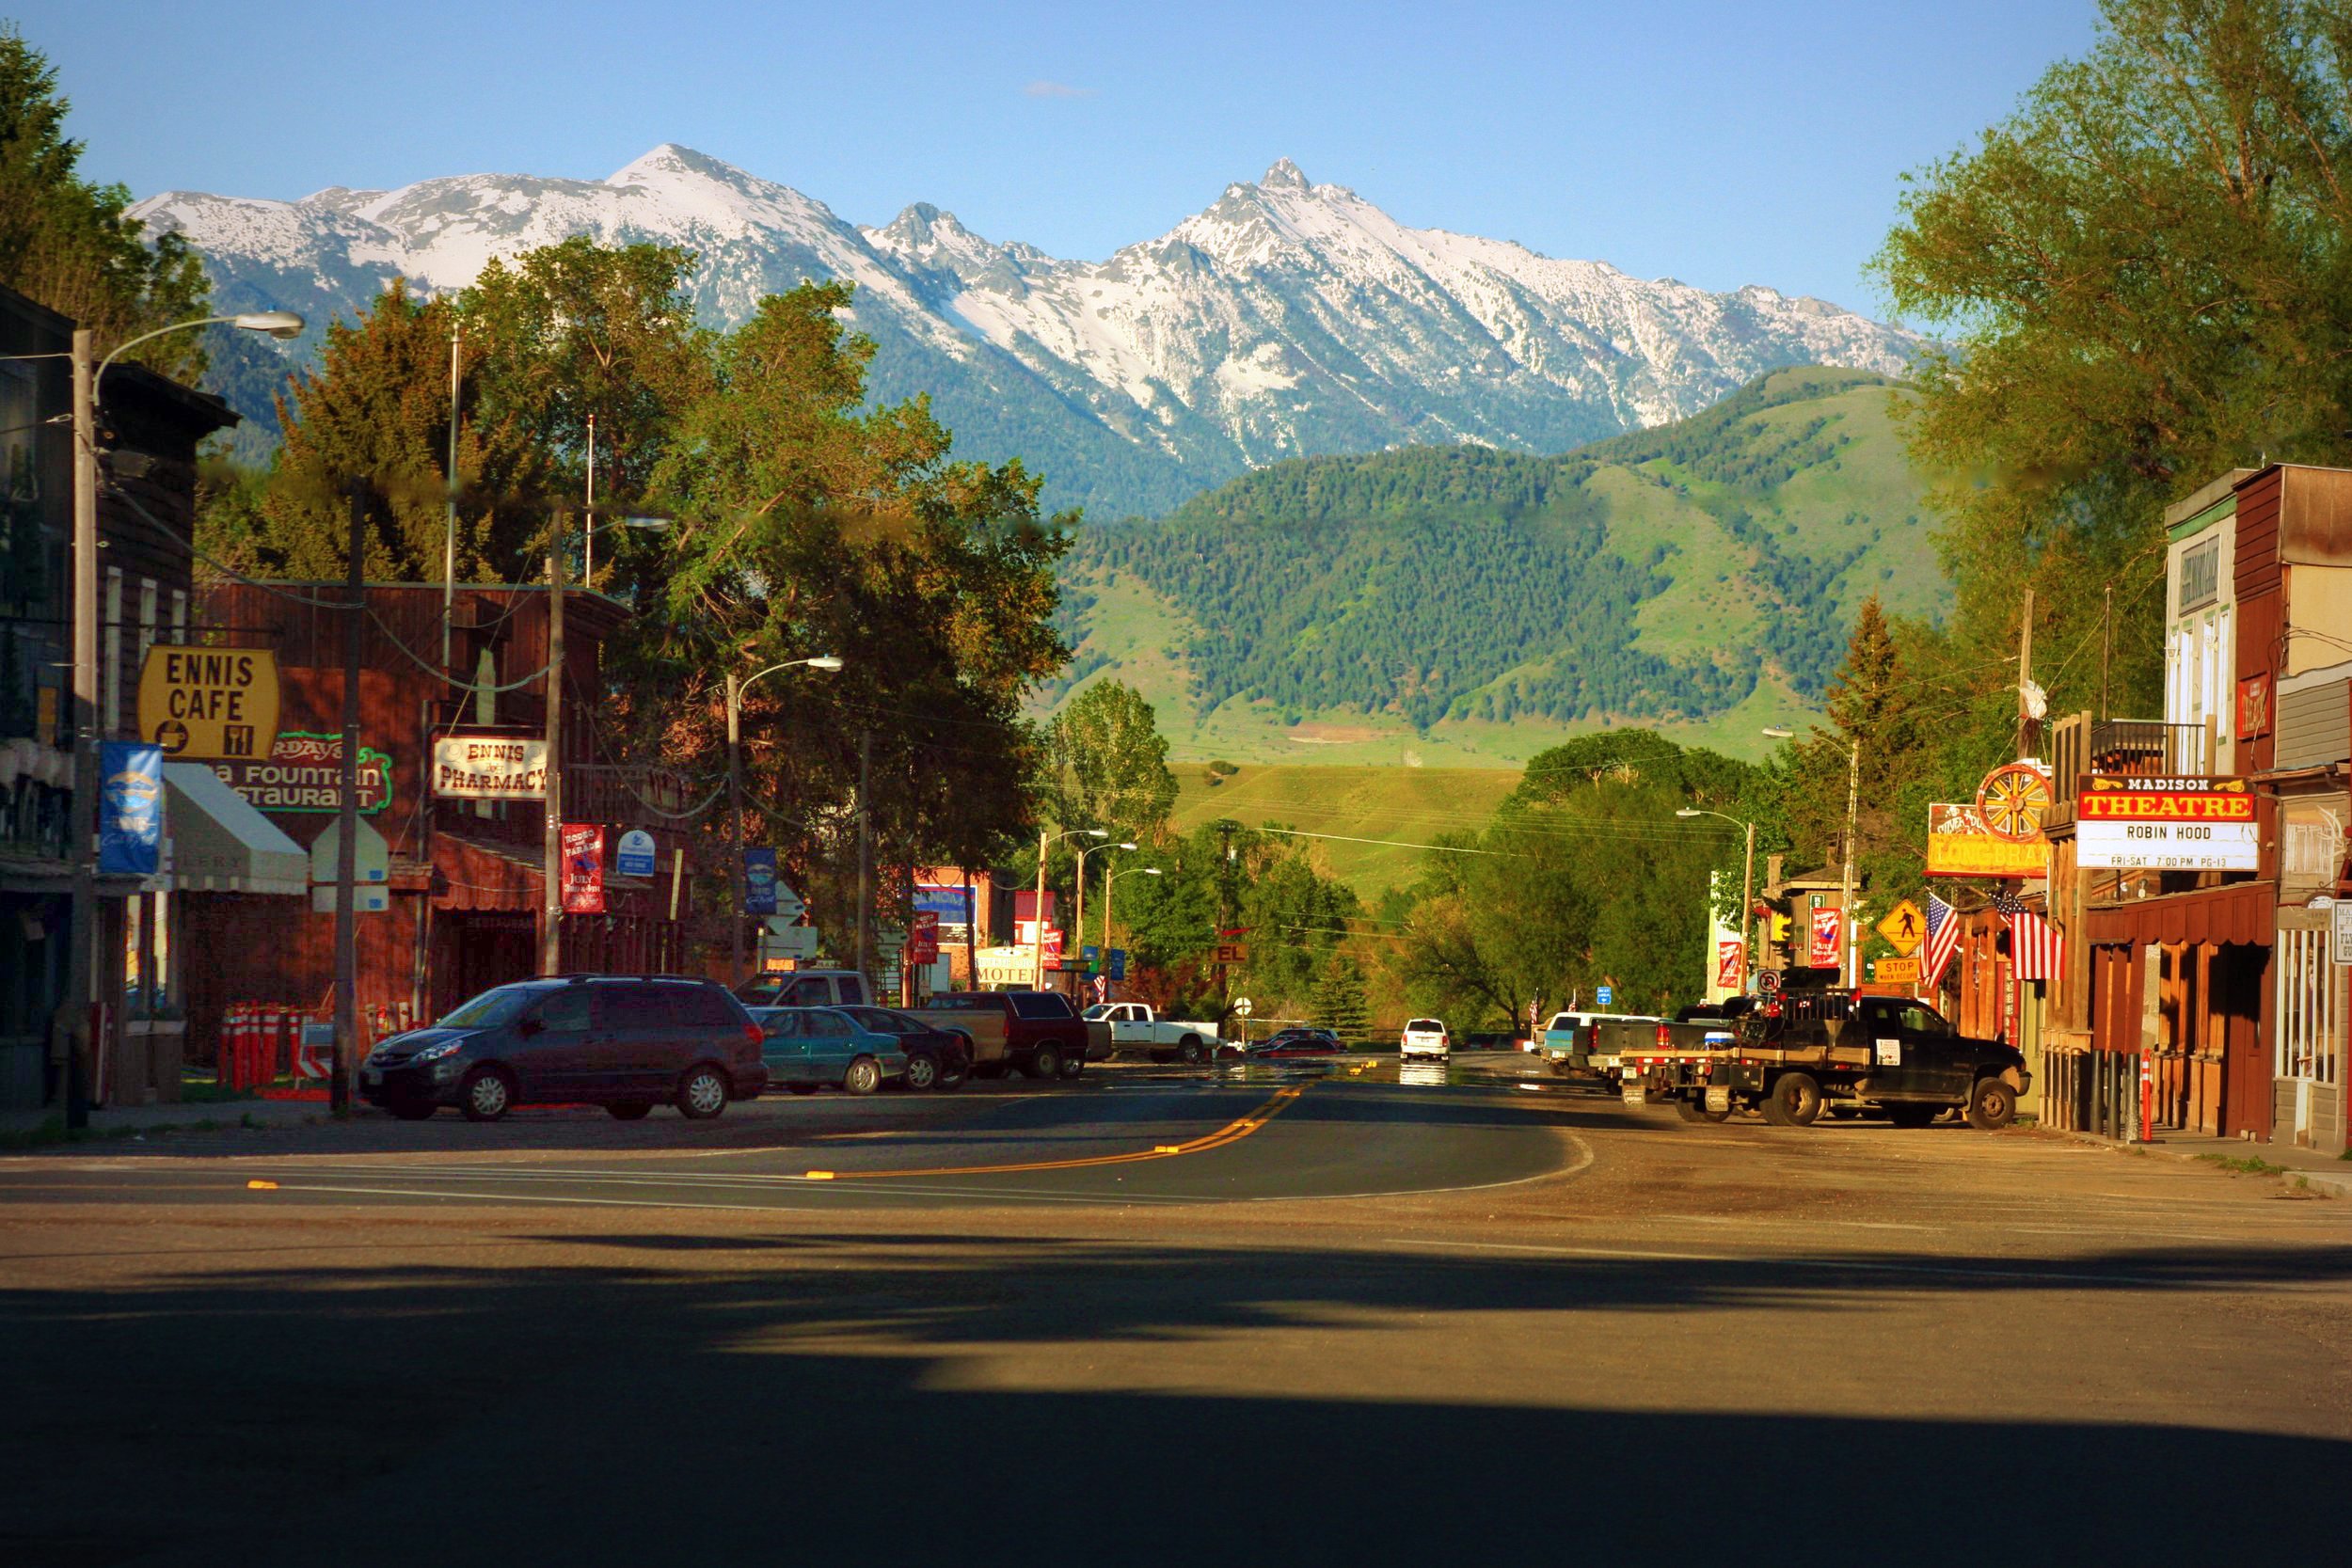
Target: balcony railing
point(2127, 747)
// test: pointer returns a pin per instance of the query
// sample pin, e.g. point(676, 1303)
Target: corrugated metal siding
point(2258, 501)
point(2314, 725)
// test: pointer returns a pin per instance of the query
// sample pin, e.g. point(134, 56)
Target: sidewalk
point(2322, 1172)
point(44, 1127)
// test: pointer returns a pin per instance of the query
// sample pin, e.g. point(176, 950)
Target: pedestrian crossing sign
point(1904, 928)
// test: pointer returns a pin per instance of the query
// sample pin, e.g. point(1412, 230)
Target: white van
point(1425, 1036)
point(806, 988)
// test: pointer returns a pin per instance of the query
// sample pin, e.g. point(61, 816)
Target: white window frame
point(2311, 1007)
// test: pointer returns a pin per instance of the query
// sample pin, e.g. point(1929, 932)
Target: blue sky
point(1716, 142)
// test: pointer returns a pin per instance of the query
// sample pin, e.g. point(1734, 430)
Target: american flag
point(2033, 943)
point(1943, 940)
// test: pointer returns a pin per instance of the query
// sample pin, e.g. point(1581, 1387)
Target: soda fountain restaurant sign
point(489, 767)
point(304, 772)
point(206, 703)
point(2122, 824)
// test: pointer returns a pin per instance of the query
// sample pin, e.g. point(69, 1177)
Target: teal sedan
point(809, 1048)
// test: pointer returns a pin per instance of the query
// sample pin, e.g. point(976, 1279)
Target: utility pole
point(734, 810)
point(2106, 636)
point(551, 872)
point(82, 1042)
point(1747, 912)
point(346, 1049)
point(1037, 911)
point(2026, 739)
point(588, 568)
point(449, 522)
point(1224, 913)
point(865, 844)
point(1852, 974)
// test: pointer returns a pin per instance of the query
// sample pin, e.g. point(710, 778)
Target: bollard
point(2147, 1096)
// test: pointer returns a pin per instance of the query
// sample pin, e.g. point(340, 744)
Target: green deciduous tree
point(1108, 764)
point(69, 244)
point(2143, 269)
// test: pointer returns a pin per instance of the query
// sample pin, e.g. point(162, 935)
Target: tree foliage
point(1107, 763)
point(70, 245)
point(2144, 270)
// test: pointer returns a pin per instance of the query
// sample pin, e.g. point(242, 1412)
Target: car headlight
point(435, 1052)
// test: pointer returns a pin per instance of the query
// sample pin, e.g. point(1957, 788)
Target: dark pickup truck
point(1035, 1033)
point(1797, 1051)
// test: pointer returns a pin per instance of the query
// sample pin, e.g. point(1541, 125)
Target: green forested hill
point(1468, 604)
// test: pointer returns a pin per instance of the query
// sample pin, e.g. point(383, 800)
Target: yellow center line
point(1233, 1132)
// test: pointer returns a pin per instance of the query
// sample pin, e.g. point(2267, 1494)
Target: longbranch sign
point(304, 772)
point(1959, 845)
point(489, 767)
point(2123, 824)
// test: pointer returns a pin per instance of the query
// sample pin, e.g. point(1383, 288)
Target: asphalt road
point(1322, 1334)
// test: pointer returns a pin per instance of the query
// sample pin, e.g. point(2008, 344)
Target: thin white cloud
point(1042, 88)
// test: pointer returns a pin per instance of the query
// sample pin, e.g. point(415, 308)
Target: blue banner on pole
point(1117, 963)
point(131, 808)
point(759, 881)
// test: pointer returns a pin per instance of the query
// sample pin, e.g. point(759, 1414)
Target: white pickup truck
point(1134, 1026)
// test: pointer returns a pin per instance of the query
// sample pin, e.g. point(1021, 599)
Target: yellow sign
point(1895, 971)
point(209, 702)
point(1959, 846)
point(1904, 928)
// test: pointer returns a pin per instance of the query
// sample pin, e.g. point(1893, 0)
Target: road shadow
point(661, 1410)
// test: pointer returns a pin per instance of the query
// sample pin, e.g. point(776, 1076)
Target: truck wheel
point(1912, 1115)
point(1695, 1110)
point(1044, 1062)
point(1992, 1106)
point(1074, 1065)
point(1796, 1098)
point(1191, 1051)
point(955, 1069)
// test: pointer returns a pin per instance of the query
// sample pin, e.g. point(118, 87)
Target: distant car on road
point(936, 1060)
point(1299, 1042)
point(627, 1042)
point(812, 1048)
point(1426, 1036)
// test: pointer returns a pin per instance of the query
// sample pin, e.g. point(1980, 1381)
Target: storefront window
point(2311, 1008)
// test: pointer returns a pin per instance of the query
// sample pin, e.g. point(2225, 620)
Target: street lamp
point(1084, 850)
point(1747, 886)
point(1849, 971)
point(1109, 883)
point(87, 382)
point(1045, 845)
point(829, 663)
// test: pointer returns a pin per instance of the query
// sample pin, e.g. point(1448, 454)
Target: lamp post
point(87, 386)
point(1044, 846)
point(1747, 890)
point(1111, 882)
point(1847, 972)
point(826, 662)
point(551, 840)
point(1079, 924)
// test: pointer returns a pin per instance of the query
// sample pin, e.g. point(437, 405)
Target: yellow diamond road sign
point(1904, 928)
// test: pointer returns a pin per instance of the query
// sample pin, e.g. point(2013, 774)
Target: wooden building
point(463, 877)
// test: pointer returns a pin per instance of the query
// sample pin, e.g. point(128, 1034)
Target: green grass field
point(1409, 805)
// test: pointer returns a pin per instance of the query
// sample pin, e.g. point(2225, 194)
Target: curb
point(2330, 1182)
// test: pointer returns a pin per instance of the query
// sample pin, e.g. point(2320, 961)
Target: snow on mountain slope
point(1287, 318)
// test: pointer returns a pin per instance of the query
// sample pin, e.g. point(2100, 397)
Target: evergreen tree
point(1339, 998)
point(70, 244)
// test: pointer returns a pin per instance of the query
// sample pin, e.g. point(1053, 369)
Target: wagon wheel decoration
point(2012, 801)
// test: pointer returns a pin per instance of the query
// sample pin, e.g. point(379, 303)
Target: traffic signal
point(1780, 930)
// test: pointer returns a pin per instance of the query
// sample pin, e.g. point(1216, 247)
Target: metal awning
point(221, 844)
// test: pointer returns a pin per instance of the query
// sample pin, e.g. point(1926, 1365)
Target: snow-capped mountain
point(1289, 319)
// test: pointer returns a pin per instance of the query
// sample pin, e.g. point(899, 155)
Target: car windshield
point(1101, 1010)
point(491, 1009)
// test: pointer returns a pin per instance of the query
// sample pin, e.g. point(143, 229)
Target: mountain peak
point(1285, 175)
point(670, 159)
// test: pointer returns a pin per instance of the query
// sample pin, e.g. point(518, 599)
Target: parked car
point(627, 1042)
point(810, 1048)
point(808, 988)
point(1425, 1036)
point(1299, 1042)
point(1036, 1033)
point(936, 1058)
